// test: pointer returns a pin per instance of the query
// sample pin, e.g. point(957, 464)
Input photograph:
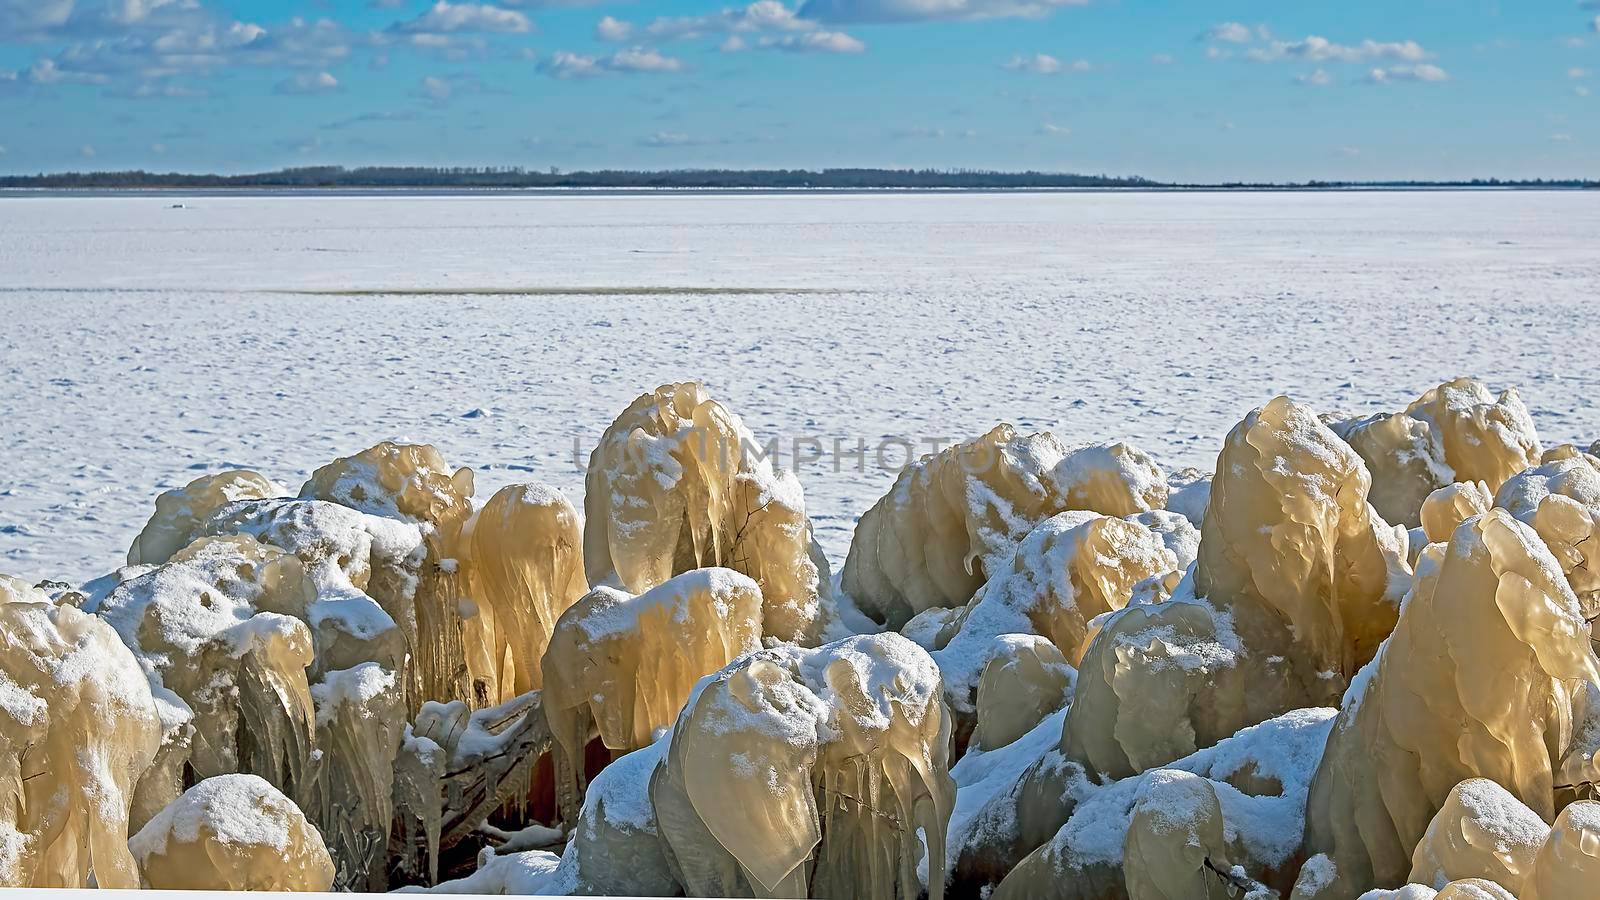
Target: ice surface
point(985, 288)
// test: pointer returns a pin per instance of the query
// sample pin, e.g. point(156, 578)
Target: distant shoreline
point(415, 180)
point(469, 191)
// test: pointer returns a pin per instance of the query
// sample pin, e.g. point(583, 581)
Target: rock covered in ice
point(623, 665)
point(232, 833)
point(1405, 459)
point(1560, 498)
point(1568, 865)
point(679, 483)
point(1481, 831)
point(950, 521)
point(413, 483)
point(1485, 437)
point(1067, 570)
point(1445, 509)
point(78, 726)
point(362, 569)
point(176, 521)
point(1112, 479)
point(1479, 679)
point(1292, 550)
point(526, 551)
point(823, 772)
point(1026, 681)
point(219, 632)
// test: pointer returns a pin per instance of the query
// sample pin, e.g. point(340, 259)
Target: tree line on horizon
point(518, 177)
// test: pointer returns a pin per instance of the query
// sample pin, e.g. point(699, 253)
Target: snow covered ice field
point(145, 345)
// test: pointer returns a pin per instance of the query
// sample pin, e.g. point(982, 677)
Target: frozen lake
point(145, 345)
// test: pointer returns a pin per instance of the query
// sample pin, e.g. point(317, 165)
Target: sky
point(1188, 90)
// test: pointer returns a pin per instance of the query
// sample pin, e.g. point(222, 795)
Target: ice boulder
point(232, 833)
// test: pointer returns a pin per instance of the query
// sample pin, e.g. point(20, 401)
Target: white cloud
point(674, 139)
point(449, 18)
point(1319, 49)
point(1230, 32)
point(610, 29)
point(632, 60)
point(928, 10)
point(3, 150)
point(87, 152)
point(308, 83)
point(1576, 72)
point(1581, 91)
point(1349, 152)
point(1595, 25)
point(760, 16)
point(931, 134)
point(1319, 78)
point(1044, 64)
point(1561, 138)
point(812, 42)
point(435, 88)
point(1163, 59)
point(1054, 130)
point(1423, 72)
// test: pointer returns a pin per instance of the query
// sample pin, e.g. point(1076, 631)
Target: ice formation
point(526, 548)
point(179, 513)
point(1293, 551)
point(412, 483)
point(1481, 831)
point(797, 773)
point(1446, 508)
point(951, 519)
point(678, 483)
point(1069, 569)
point(1107, 681)
point(1484, 437)
point(1478, 679)
point(78, 727)
point(1113, 479)
point(218, 630)
point(232, 833)
point(1560, 499)
point(623, 666)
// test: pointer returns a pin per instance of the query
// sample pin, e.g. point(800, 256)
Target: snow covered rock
point(1485, 437)
point(232, 833)
point(219, 632)
point(1482, 831)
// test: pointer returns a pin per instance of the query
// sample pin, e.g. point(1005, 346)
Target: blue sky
point(1172, 90)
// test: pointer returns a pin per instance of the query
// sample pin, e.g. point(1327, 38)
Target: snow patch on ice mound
point(1485, 437)
point(1112, 479)
point(232, 833)
point(1560, 498)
